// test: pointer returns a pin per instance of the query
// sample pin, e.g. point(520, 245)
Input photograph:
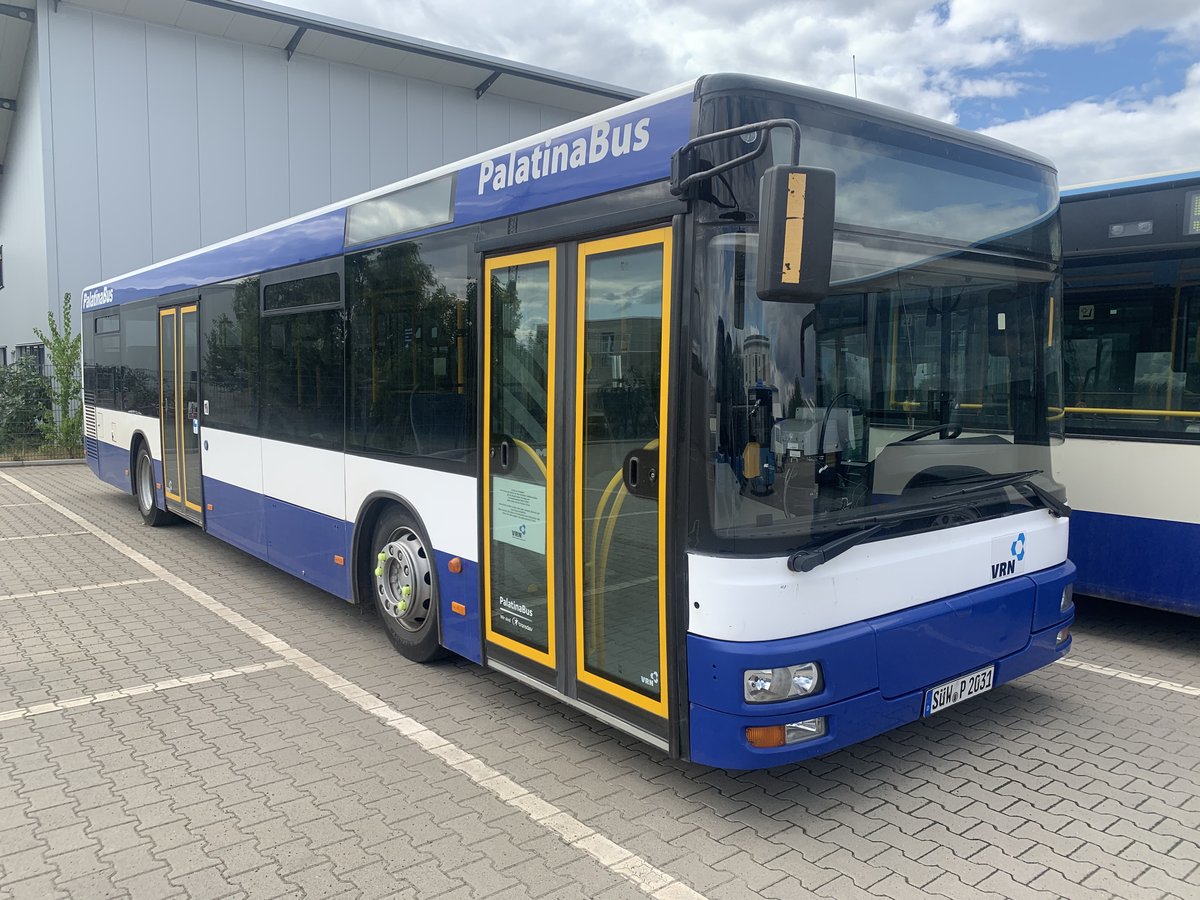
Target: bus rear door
point(179, 393)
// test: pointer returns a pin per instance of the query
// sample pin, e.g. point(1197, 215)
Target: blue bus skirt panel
point(1150, 562)
point(111, 464)
point(458, 607)
point(874, 673)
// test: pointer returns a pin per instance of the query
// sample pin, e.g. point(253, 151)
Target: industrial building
point(132, 131)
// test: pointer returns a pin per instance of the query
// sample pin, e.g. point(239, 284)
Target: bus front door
point(575, 476)
point(179, 391)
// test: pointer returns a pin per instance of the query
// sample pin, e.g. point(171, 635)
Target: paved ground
point(178, 719)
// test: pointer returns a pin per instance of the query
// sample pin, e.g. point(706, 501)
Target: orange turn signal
point(455, 565)
point(766, 736)
point(457, 607)
point(339, 560)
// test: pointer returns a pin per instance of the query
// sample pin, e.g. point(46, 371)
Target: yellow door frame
point(546, 255)
point(651, 238)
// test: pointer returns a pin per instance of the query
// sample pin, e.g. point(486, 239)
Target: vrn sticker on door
point(1008, 556)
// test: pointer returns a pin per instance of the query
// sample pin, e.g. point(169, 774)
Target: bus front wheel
point(404, 584)
point(144, 489)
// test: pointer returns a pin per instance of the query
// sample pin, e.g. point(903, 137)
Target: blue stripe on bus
point(1149, 562)
point(318, 237)
point(875, 672)
point(626, 150)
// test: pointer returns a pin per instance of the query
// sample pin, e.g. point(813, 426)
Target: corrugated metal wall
point(165, 140)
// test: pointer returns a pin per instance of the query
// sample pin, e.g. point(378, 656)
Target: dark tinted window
point(139, 341)
point(106, 351)
point(317, 290)
point(412, 377)
point(229, 346)
point(302, 372)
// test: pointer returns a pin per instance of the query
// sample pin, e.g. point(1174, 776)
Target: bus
point(1132, 361)
point(725, 415)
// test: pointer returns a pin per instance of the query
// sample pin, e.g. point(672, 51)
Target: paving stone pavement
point(155, 750)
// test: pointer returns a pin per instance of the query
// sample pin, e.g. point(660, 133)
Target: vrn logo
point(519, 532)
point(1016, 552)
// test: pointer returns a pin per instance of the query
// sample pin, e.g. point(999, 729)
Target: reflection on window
point(229, 327)
point(303, 366)
point(816, 410)
point(316, 290)
point(409, 209)
point(139, 342)
point(412, 375)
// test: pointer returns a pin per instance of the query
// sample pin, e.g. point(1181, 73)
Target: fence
point(33, 424)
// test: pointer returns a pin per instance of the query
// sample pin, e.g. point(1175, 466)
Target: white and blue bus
point(1132, 360)
point(725, 415)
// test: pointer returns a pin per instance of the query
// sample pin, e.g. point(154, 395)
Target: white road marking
point(612, 856)
point(11, 505)
point(33, 537)
point(137, 690)
point(50, 592)
point(1188, 689)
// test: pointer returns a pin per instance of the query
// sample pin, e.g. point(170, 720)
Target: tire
point(403, 580)
point(145, 492)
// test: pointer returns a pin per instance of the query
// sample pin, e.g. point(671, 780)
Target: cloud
point(922, 56)
point(1104, 140)
point(1072, 22)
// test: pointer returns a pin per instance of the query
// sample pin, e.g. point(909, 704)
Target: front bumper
point(875, 673)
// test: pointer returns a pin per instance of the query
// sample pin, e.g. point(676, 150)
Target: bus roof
point(1124, 184)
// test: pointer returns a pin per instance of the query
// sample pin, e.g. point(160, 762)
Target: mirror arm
point(681, 183)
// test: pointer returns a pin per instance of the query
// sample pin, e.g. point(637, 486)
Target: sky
point(1107, 89)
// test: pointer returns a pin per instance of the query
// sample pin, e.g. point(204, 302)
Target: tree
point(66, 429)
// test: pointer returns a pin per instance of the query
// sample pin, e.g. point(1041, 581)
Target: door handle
point(640, 473)
point(504, 454)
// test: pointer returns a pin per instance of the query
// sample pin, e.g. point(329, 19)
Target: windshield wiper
point(1022, 481)
point(807, 560)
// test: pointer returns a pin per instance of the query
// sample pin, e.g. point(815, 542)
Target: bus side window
point(411, 379)
point(303, 361)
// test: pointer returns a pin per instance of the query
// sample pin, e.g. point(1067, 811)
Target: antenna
point(854, 69)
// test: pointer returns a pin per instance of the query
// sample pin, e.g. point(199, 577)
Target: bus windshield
point(935, 362)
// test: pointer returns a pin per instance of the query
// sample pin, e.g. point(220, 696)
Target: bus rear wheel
point(144, 489)
point(404, 584)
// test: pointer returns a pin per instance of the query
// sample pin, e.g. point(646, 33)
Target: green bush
point(25, 407)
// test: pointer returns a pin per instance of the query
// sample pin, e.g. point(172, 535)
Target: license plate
point(958, 690)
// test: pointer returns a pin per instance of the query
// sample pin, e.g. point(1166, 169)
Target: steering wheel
point(947, 431)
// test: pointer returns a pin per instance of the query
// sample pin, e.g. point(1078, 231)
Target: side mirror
point(795, 233)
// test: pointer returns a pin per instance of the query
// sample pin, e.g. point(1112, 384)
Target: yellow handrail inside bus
point(600, 561)
point(1106, 411)
point(533, 454)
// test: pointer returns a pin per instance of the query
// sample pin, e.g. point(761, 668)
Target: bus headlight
point(1068, 598)
point(786, 683)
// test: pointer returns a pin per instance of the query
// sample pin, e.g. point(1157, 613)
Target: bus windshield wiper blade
point(1022, 481)
point(807, 560)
